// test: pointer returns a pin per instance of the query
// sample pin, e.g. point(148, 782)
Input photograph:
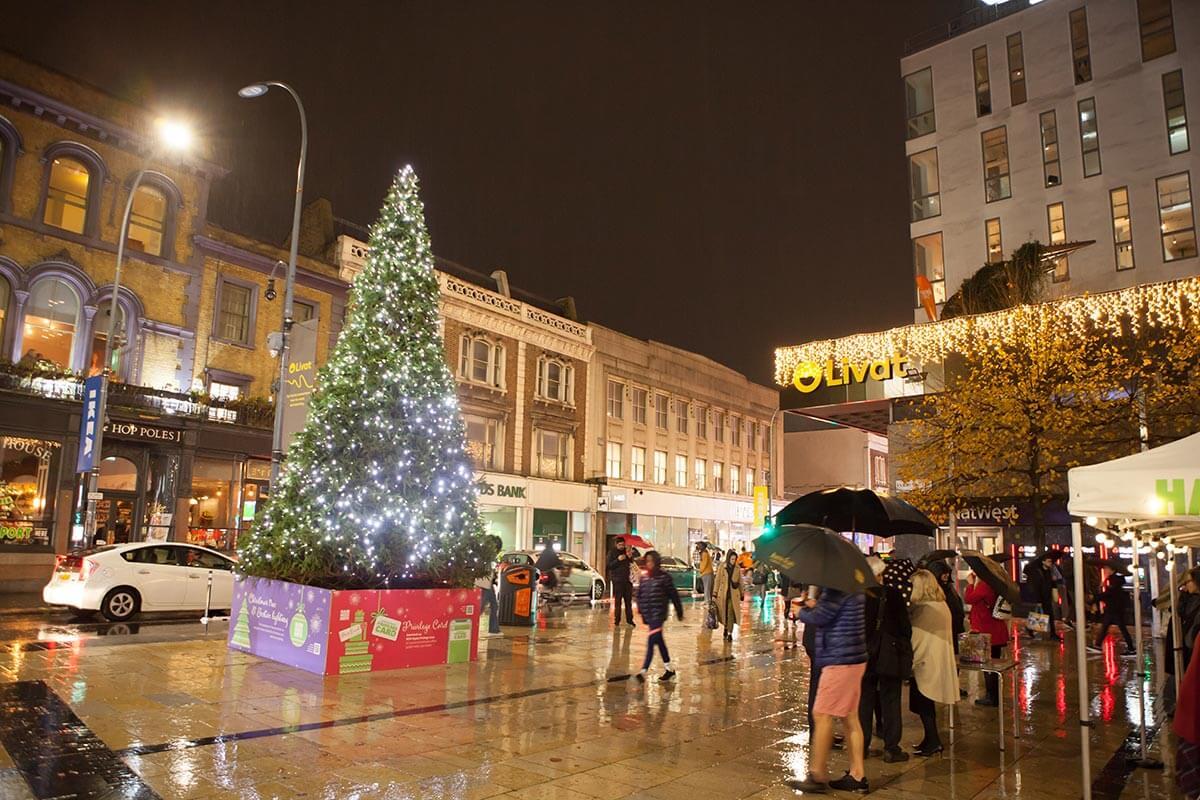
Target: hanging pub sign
point(809, 375)
point(301, 377)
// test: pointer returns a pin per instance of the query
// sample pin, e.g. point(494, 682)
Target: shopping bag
point(1037, 621)
point(974, 648)
point(710, 615)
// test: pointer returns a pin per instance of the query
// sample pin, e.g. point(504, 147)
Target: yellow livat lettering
point(843, 372)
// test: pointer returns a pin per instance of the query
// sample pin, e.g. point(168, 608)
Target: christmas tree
point(378, 490)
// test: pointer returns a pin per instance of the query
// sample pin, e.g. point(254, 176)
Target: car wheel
point(120, 604)
point(598, 590)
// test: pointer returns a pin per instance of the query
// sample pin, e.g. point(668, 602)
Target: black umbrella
point(856, 510)
point(994, 575)
point(938, 555)
point(1000, 558)
point(816, 556)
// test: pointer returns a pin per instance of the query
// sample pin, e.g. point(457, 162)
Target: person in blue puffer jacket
point(840, 654)
point(654, 591)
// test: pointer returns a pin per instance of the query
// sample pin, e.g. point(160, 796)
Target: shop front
point(229, 483)
point(675, 522)
point(526, 513)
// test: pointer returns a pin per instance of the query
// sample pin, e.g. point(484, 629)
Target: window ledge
point(232, 343)
point(479, 385)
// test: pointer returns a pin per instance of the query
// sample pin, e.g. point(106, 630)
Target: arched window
point(10, 147)
point(100, 335)
point(555, 381)
point(147, 221)
point(481, 361)
point(51, 322)
point(5, 299)
point(67, 195)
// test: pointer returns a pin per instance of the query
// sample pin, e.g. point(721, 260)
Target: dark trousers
point(1113, 618)
point(924, 708)
point(622, 592)
point(881, 694)
point(1047, 603)
point(814, 679)
point(656, 640)
point(991, 681)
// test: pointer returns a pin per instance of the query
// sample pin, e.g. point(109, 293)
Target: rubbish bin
point(518, 585)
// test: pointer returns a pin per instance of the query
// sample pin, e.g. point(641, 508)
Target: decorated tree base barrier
point(337, 632)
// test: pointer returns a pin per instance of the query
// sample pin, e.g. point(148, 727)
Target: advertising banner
point(762, 504)
point(301, 377)
point(285, 622)
point(90, 424)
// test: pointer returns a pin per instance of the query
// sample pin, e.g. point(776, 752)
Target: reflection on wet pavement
point(547, 712)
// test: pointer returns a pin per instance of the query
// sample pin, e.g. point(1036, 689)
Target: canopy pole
point(1191, 557)
point(1176, 643)
point(1081, 675)
point(1139, 666)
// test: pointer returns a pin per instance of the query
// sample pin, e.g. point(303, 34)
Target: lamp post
point(258, 90)
point(770, 465)
point(172, 136)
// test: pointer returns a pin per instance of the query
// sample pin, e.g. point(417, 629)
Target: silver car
point(581, 580)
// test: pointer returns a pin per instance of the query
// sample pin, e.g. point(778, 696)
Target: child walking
point(654, 591)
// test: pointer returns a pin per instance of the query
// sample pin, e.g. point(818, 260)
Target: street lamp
point(258, 90)
point(172, 135)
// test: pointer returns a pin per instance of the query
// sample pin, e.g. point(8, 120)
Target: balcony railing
point(46, 381)
point(975, 17)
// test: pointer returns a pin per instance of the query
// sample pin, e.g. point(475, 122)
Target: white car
point(119, 580)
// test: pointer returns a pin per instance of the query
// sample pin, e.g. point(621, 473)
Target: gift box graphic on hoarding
point(341, 632)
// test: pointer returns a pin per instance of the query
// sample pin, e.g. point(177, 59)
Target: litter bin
point(518, 585)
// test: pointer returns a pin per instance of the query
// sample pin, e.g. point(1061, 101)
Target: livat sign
point(809, 375)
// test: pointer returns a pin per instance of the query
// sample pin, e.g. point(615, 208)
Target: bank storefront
point(528, 512)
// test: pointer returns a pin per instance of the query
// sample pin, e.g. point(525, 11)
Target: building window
point(718, 477)
point(1089, 137)
point(1056, 221)
point(735, 431)
point(929, 264)
point(749, 481)
point(5, 299)
point(983, 91)
point(235, 307)
point(995, 248)
point(67, 195)
point(224, 391)
point(613, 461)
point(637, 463)
point(923, 185)
point(1016, 69)
point(681, 417)
point(553, 454)
point(1175, 217)
point(555, 381)
point(1051, 171)
point(1080, 51)
point(700, 471)
point(483, 441)
point(481, 361)
point(681, 475)
point(660, 467)
point(100, 324)
point(756, 436)
point(660, 411)
point(735, 479)
point(701, 422)
point(718, 426)
point(639, 399)
point(29, 470)
point(918, 101)
point(616, 400)
point(303, 311)
point(995, 164)
point(1177, 135)
point(1157, 28)
point(147, 221)
point(1122, 227)
point(51, 321)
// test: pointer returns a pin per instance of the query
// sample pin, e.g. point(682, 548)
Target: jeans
point(707, 582)
point(622, 591)
point(656, 640)
point(489, 599)
point(881, 693)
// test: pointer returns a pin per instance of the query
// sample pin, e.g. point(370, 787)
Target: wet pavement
point(167, 711)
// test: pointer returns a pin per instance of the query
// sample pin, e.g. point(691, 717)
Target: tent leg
point(1176, 642)
point(1191, 558)
point(1140, 665)
point(1156, 630)
point(1081, 675)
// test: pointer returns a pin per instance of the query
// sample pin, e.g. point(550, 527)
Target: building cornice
point(453, 307)
point(265, 264)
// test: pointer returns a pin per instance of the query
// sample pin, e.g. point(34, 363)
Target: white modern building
point(1061, 121)
point(680, 443)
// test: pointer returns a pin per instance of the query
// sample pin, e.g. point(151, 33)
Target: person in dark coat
point(622, 585)
point(1116, 606)
point(840, 650)
point(548, 563)
point(1039, 575)
point(889, 664)
point(655, 591)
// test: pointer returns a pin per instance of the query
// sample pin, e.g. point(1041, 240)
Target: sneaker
point(847, 783)
point(667, 676)
point(1127, 653)
point(641, 677)
point(894, 756)
point(1091, 648)
point(809, 785)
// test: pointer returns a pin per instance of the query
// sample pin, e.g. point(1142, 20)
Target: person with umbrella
point(982, 598)
point(619, 561)
point(1039, 574)
point(1116, 605)
point(729, 592)
point(840, 652)
point(890, 655)
point(935, 672)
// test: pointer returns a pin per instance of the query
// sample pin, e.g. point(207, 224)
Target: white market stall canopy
point(1161, 486)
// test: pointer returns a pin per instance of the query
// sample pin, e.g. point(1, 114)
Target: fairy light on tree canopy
point(1124, 311)
point(378, 490)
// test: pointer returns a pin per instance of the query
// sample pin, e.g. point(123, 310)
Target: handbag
point(1037, 621)
point(1001, 609)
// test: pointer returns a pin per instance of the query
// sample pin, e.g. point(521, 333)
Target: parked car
point(120, 580)
point(683, 574)
point(582, 581)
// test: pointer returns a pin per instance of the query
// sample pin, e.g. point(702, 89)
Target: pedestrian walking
point(655, 591)
point(840, 650)
point(619, 561)
point(488, 601)
point(705, 568)
point(1039, 574)
point(1116, 606)
point(889, 660)
point(935, 668)
point(729, 593)
point(983, 620)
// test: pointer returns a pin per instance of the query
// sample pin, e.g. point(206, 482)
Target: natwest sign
point(140, 430)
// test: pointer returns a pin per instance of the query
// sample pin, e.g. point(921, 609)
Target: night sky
point(722, 177)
